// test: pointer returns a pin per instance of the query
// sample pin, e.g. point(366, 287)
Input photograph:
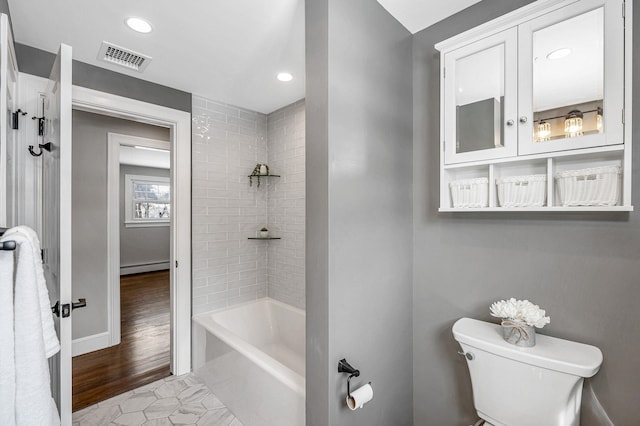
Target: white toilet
point(515, 386)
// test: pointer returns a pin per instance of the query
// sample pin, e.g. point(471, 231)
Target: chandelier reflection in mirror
point(599, 120)
point(573, 124)
point(543, 131)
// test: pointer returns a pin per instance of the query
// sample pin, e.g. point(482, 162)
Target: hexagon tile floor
point(176, 400)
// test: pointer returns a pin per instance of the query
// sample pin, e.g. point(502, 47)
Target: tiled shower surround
point(227, 142)
point(286, 204)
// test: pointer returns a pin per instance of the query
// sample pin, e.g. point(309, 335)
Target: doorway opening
point(121, 256)
point(178, 125)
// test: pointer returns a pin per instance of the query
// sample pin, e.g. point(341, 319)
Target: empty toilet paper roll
point(360, 396)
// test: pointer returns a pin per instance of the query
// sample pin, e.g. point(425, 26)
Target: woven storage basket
point(522, 191)
point(596, 186)
point(470, 193)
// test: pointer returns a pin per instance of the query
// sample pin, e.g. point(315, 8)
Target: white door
point(56, 235)
point(8, 97)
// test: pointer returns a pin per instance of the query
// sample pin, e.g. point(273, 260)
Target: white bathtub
point(252, 356)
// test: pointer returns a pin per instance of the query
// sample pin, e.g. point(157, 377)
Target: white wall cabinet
point(539, 91)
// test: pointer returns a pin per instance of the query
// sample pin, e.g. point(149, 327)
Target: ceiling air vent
point(124, 57)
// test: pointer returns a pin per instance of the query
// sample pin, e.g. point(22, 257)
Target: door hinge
point(444, 73)
point(622, 115)
point(624, 13)
point(176, 263)
point(444, 144)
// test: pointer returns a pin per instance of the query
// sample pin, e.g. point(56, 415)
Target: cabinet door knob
point(523, 119)
point(509, 123)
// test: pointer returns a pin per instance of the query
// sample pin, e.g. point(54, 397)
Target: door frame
point(179, 124)
point(114, 142)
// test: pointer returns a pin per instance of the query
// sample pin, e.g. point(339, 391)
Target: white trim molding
point(179, 123)
point(147, 267)
point(84, 345)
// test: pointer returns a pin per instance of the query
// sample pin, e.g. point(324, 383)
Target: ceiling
point(143, 157)
point(417, 15)
point(571, 80)
point(229, 51)
point(578, 77)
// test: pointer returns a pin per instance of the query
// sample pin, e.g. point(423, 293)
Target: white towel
point(51, 342)
point(33, 402)
point(7, 360)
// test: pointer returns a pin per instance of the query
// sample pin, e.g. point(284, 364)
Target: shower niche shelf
point(263, 238)
point(262, 176)
point(258, 177)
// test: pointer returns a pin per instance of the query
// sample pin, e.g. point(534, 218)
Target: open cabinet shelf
point(547, 165)
point(540, 209)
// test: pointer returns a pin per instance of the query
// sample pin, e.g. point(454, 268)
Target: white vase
point(264, 234)
point(518, 333)
point(263, 169)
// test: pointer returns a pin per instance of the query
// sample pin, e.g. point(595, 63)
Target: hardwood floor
point(142, 356)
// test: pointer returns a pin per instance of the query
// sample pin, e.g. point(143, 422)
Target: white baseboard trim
point(84, 345)
point(149, 267)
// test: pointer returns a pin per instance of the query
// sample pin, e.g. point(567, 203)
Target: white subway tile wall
point(227, 143)
point(286, 204)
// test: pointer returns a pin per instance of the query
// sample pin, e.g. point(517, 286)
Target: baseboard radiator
point(145, 267)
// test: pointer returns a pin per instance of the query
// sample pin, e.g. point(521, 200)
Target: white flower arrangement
point(520, 310)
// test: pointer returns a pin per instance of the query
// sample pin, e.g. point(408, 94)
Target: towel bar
point(7, 245)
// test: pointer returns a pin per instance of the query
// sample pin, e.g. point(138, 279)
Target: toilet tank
point(516, 386)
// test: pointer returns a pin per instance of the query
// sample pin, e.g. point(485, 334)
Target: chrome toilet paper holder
point(345, 367)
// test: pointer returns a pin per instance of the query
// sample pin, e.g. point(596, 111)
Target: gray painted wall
point(89, 198)
point(583, 268)
point(38, 62)
point(142, 245)
point(318, 358)
point(359, 211)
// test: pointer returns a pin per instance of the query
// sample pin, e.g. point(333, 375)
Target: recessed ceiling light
point(139, 25)
point(285, 76)
point(560, 53)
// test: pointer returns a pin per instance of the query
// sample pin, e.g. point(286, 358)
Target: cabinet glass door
point(570, 93)
point(480, 99)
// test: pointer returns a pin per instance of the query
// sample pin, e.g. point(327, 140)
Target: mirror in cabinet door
point(479, 99)
point(571, 90)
